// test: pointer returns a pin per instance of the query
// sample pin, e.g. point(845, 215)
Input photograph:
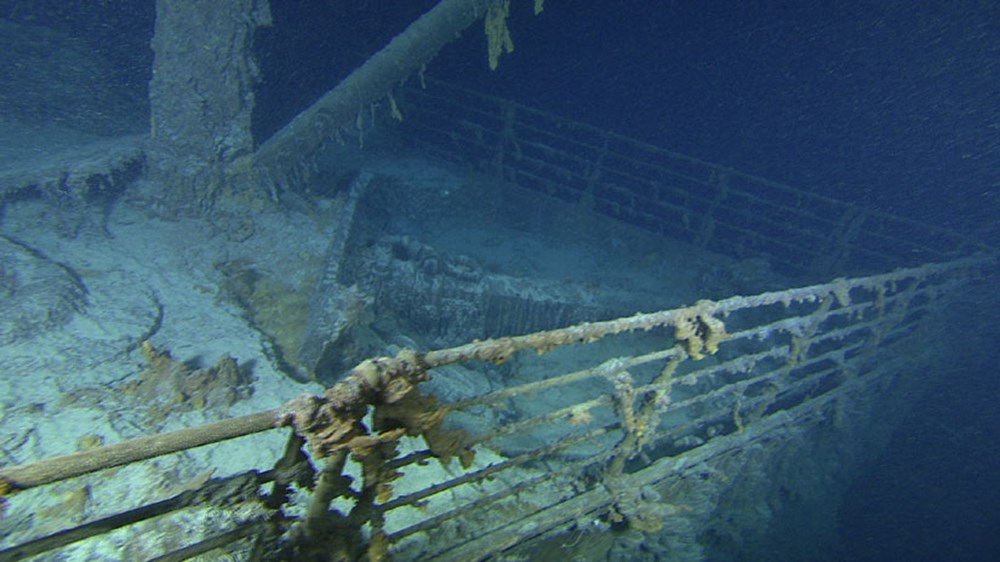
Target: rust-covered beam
point(408, 52)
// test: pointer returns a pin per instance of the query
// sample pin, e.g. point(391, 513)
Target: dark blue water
point(932, 495)
point(896, 104)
